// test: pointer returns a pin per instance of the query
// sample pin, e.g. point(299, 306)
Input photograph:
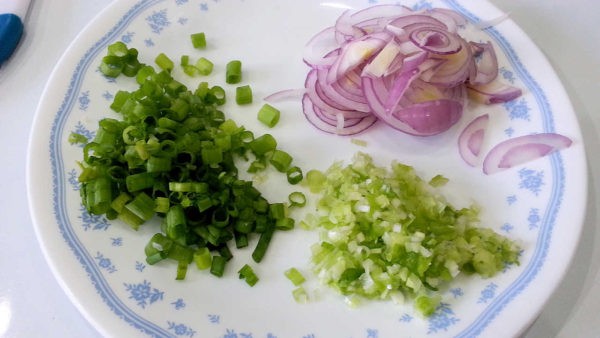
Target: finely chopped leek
point(388, 234)
point(172, 154)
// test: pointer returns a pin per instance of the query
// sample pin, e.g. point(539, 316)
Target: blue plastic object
point(11, 29)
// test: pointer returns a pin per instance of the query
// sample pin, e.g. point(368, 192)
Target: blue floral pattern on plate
point(111, 256)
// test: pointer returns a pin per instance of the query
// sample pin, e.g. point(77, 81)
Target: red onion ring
point(471, 139)
point(522, 149)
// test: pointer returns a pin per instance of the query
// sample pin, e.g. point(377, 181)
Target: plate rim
point(38, 125)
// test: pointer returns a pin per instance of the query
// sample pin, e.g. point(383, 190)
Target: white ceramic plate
point(101, 264)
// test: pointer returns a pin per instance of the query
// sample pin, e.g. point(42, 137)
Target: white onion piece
point(471, 139)
point(522, 149)
point(493, 92)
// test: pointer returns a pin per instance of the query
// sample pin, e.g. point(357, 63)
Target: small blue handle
point(11, 29)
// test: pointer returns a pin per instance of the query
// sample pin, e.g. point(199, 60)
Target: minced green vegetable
point(294, 276)
point(269, 115)
point(172, 154)
point(198, 40)
point(388, 234)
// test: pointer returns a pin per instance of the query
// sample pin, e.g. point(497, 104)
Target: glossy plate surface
point(100, 263)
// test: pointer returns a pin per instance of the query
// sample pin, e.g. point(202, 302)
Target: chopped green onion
point(197, 187)
point(286, 223)
point(294, 175)
point(297, 199)
point(247, 273)
point(161, 205)
point(217, 95)
point(212, 155)
point(118, 49)
point(75, 138)
point(263, 144)
point(182, 268)
point(277, 210)
point(130, 219)
point(120, 201)
point(241, 240)
point(204, 66)
point(217, 266)
point(394, 225)
point(315, 180)
point(140, 181)
point(243, 95)
point(300, 295)
point(263, 243)
point(185, 60)
point(198, 40)
point(281, 160)
point(142, 206)
point(203, 258)
point(233, 72)
point(269, 115)
point(175, 222)
point(359, 142)
point(112, 66)
point(164, 62)
point(438, 181)
point(158, 164)
point(294, 276)
point(172, 153)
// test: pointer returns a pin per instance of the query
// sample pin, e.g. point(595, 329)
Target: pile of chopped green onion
point(388, 234)
point(172, 154)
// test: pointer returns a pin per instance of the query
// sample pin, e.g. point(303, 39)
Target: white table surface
point(32, 304)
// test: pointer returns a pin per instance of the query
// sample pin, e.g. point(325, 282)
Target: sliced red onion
point(411, 69)
point(370, 19)
point(471, 139)
point(435, 40)
point(522, 149)
point(493, 92)
point(345, 94)
point(356, 53)
point(430, 117)
point(456, 67)
point(319, 46)
point(380, 64)
point(419, 119)
point(311, 115)
point(401, 84)
point(486, 63)
point(320, 99)
point(420, 20)
point(287, 94)
point(450, 18)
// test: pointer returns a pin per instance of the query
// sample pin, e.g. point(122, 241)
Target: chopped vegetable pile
point(385, 234)
point(388, 234)
point(411, 69)
point(172, 154)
